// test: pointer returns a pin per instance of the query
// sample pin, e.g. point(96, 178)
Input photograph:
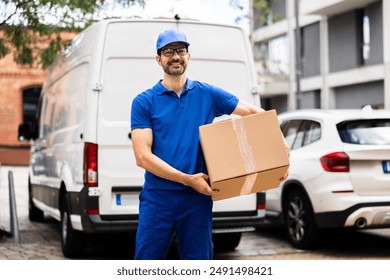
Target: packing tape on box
point(246, 155)
point(248, 184)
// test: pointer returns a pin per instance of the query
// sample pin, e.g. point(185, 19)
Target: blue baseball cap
point(170, 36)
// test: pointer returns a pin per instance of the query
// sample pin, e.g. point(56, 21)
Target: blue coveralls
point(168, 208)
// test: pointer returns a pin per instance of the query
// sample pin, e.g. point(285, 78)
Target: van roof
point(96, 33)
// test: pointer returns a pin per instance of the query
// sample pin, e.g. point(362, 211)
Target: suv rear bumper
point(362, 215)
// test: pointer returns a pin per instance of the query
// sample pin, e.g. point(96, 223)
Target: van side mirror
point(256, 90)
point(25, 132)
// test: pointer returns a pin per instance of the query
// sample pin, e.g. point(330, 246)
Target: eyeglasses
point(170, 52)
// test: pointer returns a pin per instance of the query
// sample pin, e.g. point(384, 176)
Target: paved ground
point(35, 243)
point(42, 240)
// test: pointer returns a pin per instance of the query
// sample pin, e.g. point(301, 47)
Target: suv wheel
point(72, 241)
point(299, 220)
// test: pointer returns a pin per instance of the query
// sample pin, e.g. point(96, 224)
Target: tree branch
point(17, 7)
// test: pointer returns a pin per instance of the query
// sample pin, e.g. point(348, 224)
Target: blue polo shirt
point(175, 123)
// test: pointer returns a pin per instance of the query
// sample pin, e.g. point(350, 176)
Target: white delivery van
point(83, 171)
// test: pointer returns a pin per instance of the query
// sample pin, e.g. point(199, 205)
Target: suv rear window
point(365, 132)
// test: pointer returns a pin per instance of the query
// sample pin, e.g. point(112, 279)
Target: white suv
point(339, 173)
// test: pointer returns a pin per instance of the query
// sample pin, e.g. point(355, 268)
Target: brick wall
point(14, 79)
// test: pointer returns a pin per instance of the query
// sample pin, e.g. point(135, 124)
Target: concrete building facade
point(337, 60)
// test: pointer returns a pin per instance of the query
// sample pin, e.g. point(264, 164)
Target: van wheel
point(299, 220)
point(72, 241)
point(34, 214)
point(226, 241)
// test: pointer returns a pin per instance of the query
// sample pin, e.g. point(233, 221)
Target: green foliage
point(24, 56)
point(265, 11)
point(50, 53)
point(26, 23)
point(4, 50)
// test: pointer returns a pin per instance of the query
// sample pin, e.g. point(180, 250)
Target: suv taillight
point(335, 162)
point(91, 164)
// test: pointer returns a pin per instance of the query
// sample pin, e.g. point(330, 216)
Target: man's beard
point(175, 72)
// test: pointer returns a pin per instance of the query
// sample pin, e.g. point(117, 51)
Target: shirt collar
point(160, 89)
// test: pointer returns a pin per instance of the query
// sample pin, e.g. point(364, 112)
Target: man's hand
point(287, 147)
point(199, 182)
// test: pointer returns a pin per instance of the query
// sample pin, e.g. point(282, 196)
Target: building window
point(273, 56)
point(30, 103)
point(366, 38)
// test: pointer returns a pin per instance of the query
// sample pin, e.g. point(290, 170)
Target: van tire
point(226, 241)
point(73, 242)
point(34, 214)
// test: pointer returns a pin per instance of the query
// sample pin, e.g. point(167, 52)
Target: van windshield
point(365, 132)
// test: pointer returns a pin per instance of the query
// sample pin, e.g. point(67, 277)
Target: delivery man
point(165, 119)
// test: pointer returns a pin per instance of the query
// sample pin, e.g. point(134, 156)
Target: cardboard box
point(244, 155)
